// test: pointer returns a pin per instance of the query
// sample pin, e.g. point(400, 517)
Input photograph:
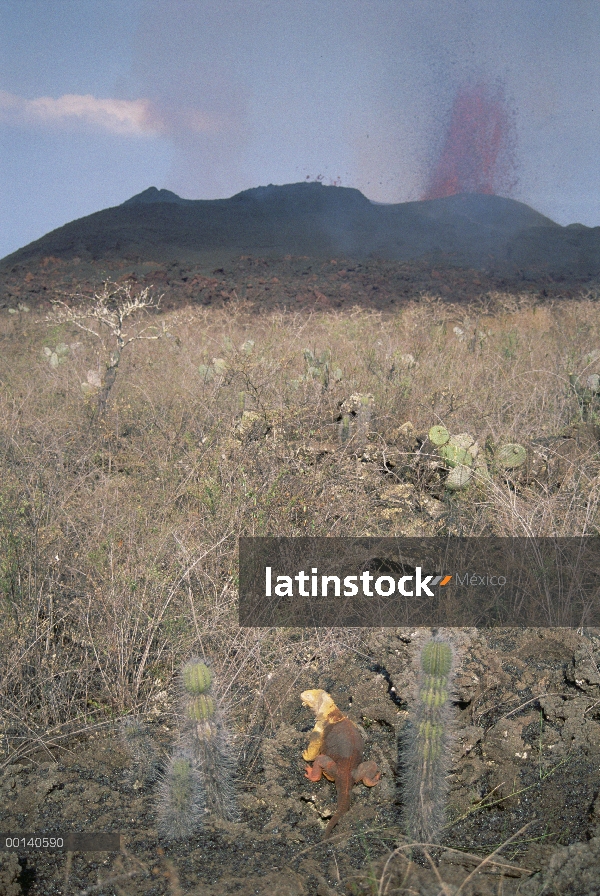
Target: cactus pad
point(438, 435)
point(455, 455)
point(458, 477)
point(462, 440)
point(593, 382)
point(511, 456)
point(197, 677)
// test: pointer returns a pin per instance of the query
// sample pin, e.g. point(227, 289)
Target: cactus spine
point(425, 745)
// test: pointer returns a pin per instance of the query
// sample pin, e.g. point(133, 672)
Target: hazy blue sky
point(100, 99)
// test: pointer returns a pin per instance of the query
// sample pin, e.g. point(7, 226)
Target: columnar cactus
point(201, 775)
point(425, 744)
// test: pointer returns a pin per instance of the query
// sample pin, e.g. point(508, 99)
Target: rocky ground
point(524, 773)
point(297, 282)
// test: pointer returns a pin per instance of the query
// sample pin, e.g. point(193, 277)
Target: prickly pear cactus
point(220, 366)
point(454, 454)
point(511, 456)
point(318, 367)
point(56, 355)
point(438, 435)
point(587, 395)
point(459, 477)
point(206, 372)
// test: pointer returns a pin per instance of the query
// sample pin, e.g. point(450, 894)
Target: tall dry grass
point(118, 535)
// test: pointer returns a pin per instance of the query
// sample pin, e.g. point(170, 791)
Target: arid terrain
point(166, 407)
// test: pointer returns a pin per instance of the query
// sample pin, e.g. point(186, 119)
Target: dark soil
point(299, 283)
point(525, 772)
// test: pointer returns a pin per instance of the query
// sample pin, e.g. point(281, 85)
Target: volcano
point(476, 230)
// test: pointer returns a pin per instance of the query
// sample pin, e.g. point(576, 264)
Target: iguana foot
point(322, 765)
point(368, 773)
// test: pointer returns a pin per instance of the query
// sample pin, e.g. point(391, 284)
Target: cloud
point(140, 117)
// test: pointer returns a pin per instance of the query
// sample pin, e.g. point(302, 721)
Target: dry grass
point(118, 536)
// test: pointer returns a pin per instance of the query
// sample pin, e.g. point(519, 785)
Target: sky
point(100, 99)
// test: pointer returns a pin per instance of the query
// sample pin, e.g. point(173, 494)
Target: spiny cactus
point(206, 736)
point(511, 456)
point(425, 744)
point(142, 749)
point(181, 798)
point(196, 677)
point(200, 777)
point(454, 454)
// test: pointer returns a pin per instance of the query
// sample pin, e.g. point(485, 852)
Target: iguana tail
point(343, 784)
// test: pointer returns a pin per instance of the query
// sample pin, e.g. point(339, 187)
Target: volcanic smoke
point(476, 155)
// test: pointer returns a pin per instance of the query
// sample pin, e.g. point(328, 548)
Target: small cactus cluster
point(20, 308)
point(318, 367)
point(208, 372)
point(200, 774)
point(461, 455)
point(58, 355)
point(425, 744)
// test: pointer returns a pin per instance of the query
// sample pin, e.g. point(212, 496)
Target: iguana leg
point(368, 773)
point(322, 765)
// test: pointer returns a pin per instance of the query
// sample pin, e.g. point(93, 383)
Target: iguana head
point(320, 702)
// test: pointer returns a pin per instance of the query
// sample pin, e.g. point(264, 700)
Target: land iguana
point(336, 746)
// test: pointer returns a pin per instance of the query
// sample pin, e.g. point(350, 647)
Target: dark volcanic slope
point(311, 219)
